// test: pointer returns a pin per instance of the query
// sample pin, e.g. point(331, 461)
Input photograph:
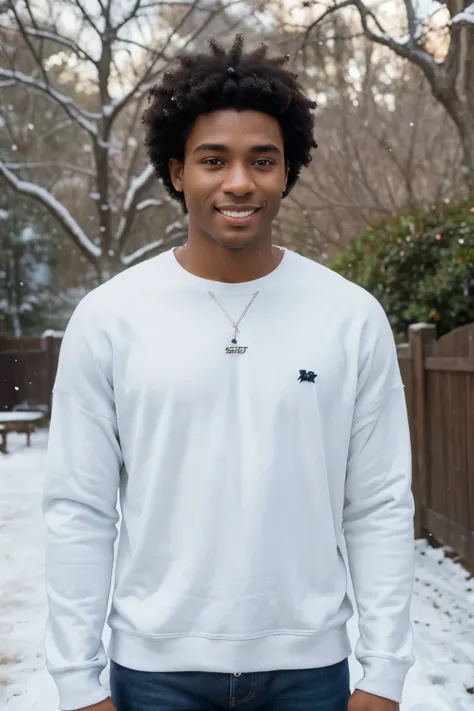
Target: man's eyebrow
point(221, 148)
point(211, 148)
point(265, 148)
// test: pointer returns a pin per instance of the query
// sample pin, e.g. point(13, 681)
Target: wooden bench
point(22, 422)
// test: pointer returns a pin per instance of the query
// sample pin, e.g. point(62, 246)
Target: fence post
point(421, 338)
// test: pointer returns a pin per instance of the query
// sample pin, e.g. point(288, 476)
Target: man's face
point(233, 176)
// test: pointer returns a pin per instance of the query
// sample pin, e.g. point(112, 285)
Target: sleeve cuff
point(383, 677)
point(79, 688)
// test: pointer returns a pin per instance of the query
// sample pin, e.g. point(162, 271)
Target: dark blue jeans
point(322, 689)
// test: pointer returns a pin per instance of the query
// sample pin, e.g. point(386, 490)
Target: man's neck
point(232, 266)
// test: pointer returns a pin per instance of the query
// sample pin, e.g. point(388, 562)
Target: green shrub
point(420, 266)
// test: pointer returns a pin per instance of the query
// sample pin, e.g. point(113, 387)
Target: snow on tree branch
point(408, 50)
point(59, 39)
point(52, 164)
point(131, 259)
point(466, 17)
point(55, 208)
point(150, 202)
point(137, 186)
point(76, 112)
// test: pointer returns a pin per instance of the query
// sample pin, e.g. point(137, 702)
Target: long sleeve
point(80, 508)
point(378, 517)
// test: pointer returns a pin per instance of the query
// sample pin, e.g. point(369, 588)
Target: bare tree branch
point(149, 78)
point(137, 187)
point(84, 118)
point(411, 51)
point(466, 17)
point(150, 202)
point(28, 43)
point(146, 74)
point(156, 246)
point(87, 17)
point(63, 216)
point(51, 164)
point(132, 13)
point(55, 37)
point(329, 11)
point(412, 21)
point(55, 129)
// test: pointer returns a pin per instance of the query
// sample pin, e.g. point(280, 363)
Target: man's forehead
point(228, 126)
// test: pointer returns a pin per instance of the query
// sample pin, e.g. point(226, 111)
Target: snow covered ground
point(443, 607)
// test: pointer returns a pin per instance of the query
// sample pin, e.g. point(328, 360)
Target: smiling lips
point(238, 214)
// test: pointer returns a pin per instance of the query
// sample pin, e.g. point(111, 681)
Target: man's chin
point(236, 241)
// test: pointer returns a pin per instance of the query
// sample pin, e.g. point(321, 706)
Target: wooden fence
point(27, 371)
point(439, 383)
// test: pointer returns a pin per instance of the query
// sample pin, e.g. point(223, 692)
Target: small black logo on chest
point(307, 376)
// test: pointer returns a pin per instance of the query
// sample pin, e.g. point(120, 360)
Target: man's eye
point(212, 161)
point(264, 163)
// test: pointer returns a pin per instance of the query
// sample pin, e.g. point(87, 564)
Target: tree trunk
point(16, 294)
point(464, 123)
point(107, 267)
point(453, 87)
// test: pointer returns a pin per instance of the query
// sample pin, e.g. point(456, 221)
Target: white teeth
point(228, 213)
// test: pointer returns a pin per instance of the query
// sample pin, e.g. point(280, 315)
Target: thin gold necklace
point(235, 349)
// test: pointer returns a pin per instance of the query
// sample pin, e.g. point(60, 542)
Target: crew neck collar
point(224, 287)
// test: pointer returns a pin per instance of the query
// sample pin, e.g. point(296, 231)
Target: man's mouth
point(238, 214)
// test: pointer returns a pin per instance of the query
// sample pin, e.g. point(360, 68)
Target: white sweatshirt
point(240, 476)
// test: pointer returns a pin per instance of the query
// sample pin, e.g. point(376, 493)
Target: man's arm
point(80, 508)
point(378, 516)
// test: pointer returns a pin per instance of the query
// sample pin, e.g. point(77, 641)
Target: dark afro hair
point(202, 83)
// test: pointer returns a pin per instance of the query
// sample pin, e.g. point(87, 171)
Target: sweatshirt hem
point(202, 654)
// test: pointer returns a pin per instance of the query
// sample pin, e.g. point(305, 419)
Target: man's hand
point(105, 705)
point(363, 701)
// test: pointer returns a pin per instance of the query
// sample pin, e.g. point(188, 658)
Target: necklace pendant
point(235, 349)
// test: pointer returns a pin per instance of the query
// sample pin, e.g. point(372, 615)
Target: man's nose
point(238, 180)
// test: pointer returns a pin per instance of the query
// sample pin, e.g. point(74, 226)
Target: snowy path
point(443, 608)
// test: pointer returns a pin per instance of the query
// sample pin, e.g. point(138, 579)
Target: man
point(246, 403)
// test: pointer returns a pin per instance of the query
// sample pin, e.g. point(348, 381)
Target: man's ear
point(176, 174)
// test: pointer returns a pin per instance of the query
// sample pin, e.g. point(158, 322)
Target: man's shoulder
point(124, 289)
point(336, 290)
